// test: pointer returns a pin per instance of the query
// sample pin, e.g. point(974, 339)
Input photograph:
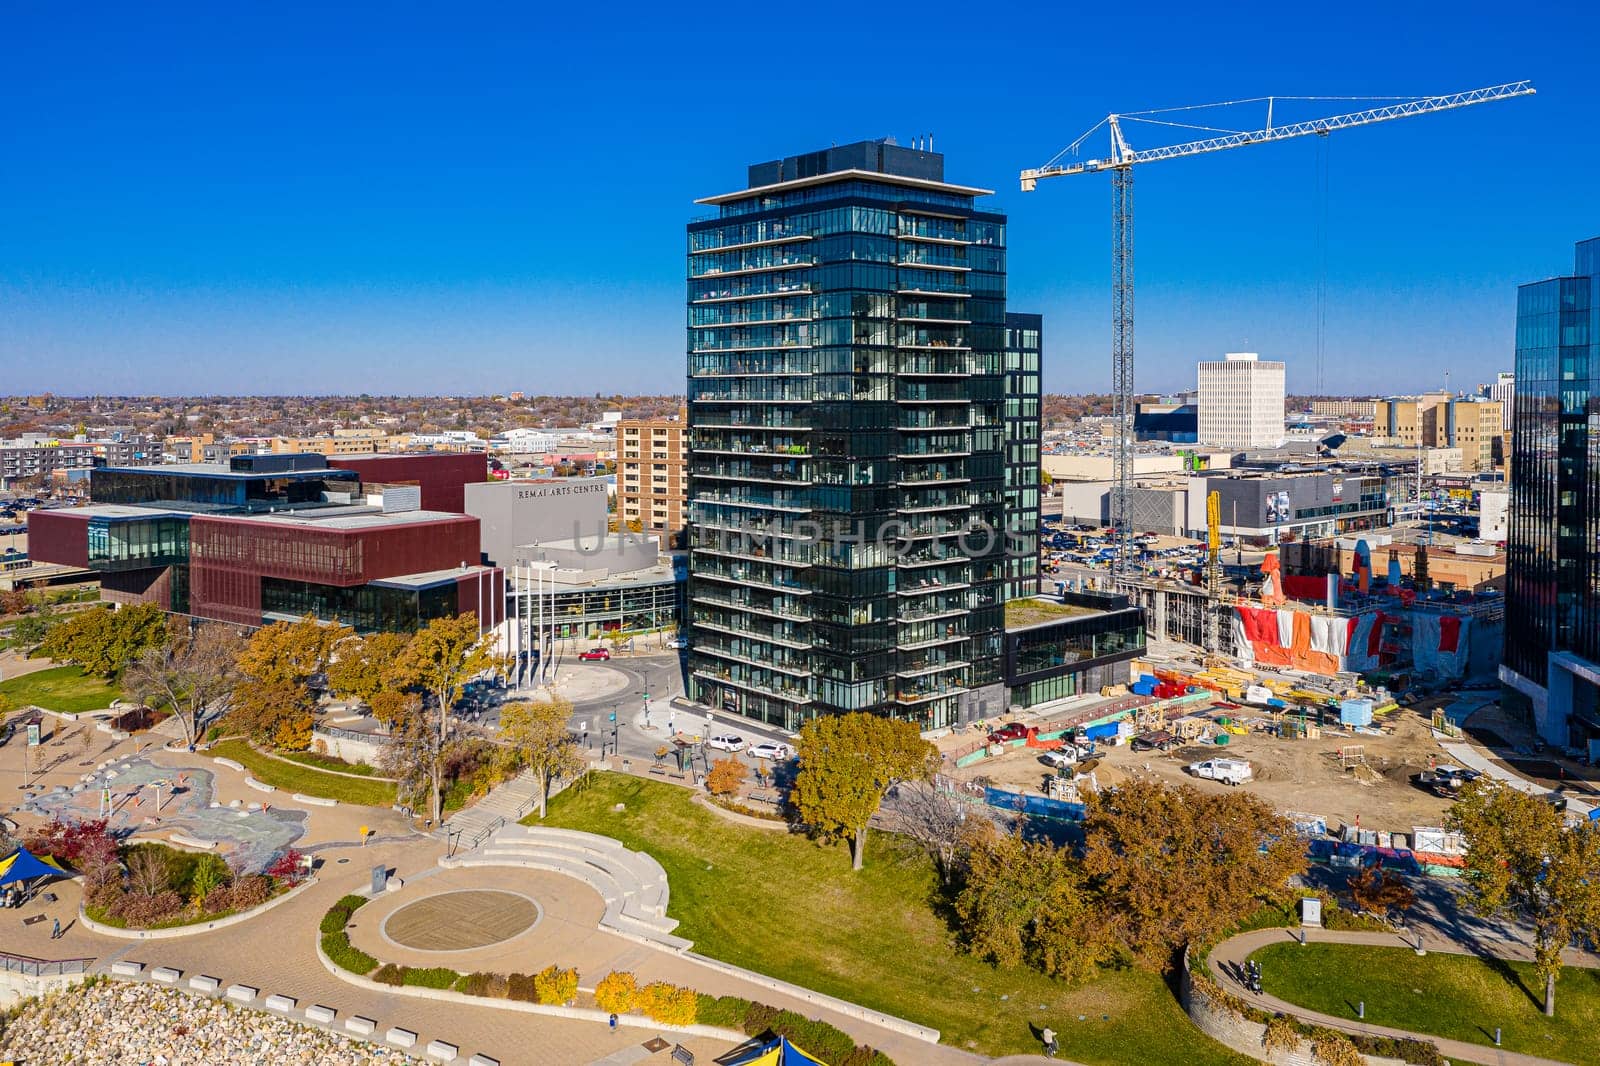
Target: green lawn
point(61, 688)
point(1454, 996)
point(295, 778)
point(329, 762)
point(786, 907)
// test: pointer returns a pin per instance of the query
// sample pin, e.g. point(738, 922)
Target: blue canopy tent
point(23, 865)
point(776, 1052)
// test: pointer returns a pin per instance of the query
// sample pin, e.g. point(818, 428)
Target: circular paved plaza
point(460, 920)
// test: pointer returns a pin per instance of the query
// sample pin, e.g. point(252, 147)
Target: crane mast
point(1121, 161)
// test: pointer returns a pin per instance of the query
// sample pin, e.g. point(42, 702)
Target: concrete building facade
point(1241, 401)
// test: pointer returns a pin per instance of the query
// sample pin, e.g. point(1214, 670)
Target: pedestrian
point(1048, 1035)
point(55, 929)
point(612, 1021)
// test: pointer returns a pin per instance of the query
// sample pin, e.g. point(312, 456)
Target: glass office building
point(847, 463)
point(1024, 350)
point(1552, 655)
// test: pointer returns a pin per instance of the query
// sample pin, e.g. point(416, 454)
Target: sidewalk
point(1227, 959)
point(1468, 756)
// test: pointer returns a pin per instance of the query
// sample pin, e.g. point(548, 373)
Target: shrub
point(286, 867)
point(726, 777)
point(429, 976)
point(252, 891)
point(390, 974)
point(1282, 1034)
point(615, 992)
point(293, 733)
point(138, 911)
point(554, 986)
point(336, 946)
point(521, 986)
point(478, 984)
point(219, 899)
point(1334, 1049)
point(668, 1004)
point(726, 1012)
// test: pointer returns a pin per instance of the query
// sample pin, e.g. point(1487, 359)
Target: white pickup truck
point(1228, 771)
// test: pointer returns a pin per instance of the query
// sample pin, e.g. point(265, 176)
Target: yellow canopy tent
point(776, 1052)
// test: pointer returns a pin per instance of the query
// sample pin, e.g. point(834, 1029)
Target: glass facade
point(847, 462)
point(1024, 353)
point(368, 608)
point(1054, 660)
point(221, 492)
point(1553, 541)
point(136, 543)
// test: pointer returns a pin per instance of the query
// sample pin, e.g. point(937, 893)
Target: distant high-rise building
point(1024, 351)
point(1504, 390)
point(847, 458)
point(1551, 667)
point(1241, 401)
point(1440, 420)
point(650, 480)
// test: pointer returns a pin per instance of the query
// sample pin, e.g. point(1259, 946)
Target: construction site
point(1350, 695)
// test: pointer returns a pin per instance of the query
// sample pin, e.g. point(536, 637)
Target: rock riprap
point(118, 1024)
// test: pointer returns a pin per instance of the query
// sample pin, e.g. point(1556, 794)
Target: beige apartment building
point(1352, 409)
point(343, 442)
point(1439, 420)
point(652, 483)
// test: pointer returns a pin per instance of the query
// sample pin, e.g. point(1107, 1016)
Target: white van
point(1228, 771)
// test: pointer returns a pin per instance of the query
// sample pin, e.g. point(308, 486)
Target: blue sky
point(471, 198)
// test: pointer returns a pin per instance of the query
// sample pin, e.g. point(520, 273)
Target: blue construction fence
point(1034, 806)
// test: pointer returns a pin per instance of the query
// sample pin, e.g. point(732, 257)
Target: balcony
point(928, 589)
point(789, 694)
point(783, 263)
point(911, 562)
point(929, 669)
point(765, 502)
point(792, 668)
point(930, 614)
point(931, 642)
point(751, 581)
point(751, 634)
point(772, 610)
point(766, 242)
point(921, 694)
point(772, 560)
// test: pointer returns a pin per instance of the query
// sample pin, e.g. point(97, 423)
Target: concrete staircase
point(504, 805)
point(632, 884)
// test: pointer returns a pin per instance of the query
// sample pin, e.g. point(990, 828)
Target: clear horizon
point(391, 201)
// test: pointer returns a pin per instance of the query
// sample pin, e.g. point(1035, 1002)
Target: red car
point(1014, 731)
point(594, 655)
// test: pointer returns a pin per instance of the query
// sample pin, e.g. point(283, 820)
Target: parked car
point(678, 642)
point(1228, 771)
point(1014, 731)
point(726, 742)
point(768, 749)
point(594, 655)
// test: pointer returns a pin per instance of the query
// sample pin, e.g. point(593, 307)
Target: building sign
point(1338, 490)
point(539, 492)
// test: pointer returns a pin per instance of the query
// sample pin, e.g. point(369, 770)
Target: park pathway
point(1226, 963)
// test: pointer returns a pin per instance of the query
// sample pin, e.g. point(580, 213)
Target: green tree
point(848, 764)
point(103, 641)
point(536, 736)
point(1176, 865)
point(1029, 902)
point(191, 673)
point(439, 660)
point(1524, 862)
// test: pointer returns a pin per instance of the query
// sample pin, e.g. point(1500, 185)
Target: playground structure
point(142, 800)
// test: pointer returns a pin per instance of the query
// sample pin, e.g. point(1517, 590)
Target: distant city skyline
point(394, 201)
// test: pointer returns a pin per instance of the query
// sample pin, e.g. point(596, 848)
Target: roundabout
point(461, 920)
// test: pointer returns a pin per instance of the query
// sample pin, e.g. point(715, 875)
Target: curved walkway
point(1227, 959)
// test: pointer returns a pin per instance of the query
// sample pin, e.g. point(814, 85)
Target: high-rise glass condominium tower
point(1552, 653)
point(847, 463)
point(1024, 349)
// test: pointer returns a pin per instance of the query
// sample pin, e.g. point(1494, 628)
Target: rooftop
point(1022, 613)
point(348, 518)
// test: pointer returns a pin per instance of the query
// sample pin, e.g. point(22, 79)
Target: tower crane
point(1120, 163)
